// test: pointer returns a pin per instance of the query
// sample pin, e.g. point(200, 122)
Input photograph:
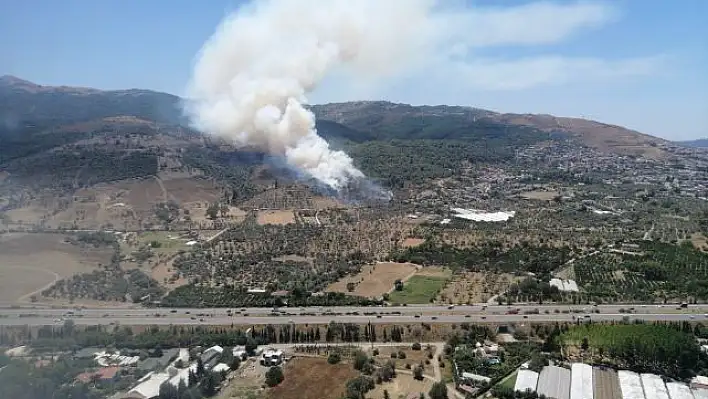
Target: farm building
point(554, 382)
point(654, 387)
point(526, 380)
point(678, 390)
point(630, 384)
point(581, 381)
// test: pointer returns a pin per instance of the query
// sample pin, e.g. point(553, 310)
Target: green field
point(509, 382)
point(418, 289)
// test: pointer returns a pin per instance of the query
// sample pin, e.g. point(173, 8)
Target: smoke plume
point(251, 77)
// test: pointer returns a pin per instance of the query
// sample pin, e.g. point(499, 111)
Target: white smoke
point(251, 77)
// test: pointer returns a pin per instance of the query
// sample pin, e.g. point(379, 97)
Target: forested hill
point(397, 143)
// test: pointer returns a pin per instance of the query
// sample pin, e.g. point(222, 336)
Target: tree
point(334, 358)
point(200, 368)
point(235, 363)
point(418, 373)
point(585, 344)
point(386, 395)
point(351, 286)
point(438, 391)
point(359, 386)
point(212, 211)
point(398, 284)
point(274, 376)
point(360, 359)
point(251, 346)
point(210, 384)
point(168, 391)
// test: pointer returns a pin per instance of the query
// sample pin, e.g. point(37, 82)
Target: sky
point(637, 63)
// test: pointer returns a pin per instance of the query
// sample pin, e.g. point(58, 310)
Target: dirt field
point(245, 383)
point(412, 357)
point(184, 190)
point(311, 378)
point(375, 280)
point(412, 242)
point(276, 217)
point(540, 195)
point(700, 241)
point(401, 386)
point(32, 262)
point(474, 287)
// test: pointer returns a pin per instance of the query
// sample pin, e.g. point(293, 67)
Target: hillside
point(68, 137)
point(401, 121)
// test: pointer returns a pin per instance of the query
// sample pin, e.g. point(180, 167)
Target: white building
point(272, 357)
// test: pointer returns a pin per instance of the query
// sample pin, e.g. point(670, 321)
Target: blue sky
point(637, 63)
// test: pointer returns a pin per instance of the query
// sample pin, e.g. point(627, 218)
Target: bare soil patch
point(375, 280)
point(184, 190)
point(245, 383)
point(312, 378)
point(475, 287)
point(401, 386)
point(412, 242)
point(540, 195)
point(699, 241)
point(32, 262)
point(276, 217)
point(413, 358)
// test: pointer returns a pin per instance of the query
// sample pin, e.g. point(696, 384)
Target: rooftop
point(105, 373)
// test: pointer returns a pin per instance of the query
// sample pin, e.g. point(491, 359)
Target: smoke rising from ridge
point(251, 78)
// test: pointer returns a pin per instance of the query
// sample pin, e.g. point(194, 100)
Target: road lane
point(319, 319)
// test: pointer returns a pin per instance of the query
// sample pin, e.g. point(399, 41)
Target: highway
point(323, 315)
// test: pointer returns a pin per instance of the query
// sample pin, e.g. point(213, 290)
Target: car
point(484, 317)
point(378, 316)
point(467, 316)
point(434, 317)
point(173, 311)
point(417, 316)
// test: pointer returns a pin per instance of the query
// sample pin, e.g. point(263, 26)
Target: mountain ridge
point(51, 106)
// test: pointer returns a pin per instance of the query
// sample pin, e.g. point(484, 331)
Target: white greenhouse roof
point(630, 384)
point(678, 390)
point(654, 387)
point(700, 393)
point(581, 381)
point(554, 382)
point(526, 379)
point(481, 216)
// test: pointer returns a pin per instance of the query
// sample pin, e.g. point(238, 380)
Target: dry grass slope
point(310, 378)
